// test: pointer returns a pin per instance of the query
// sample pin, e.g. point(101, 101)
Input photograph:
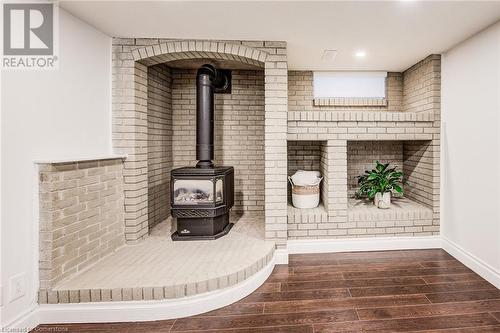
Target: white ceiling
point(394, 34)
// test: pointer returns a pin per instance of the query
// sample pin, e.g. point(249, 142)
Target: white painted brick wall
point(81, 216)
point(160, 159)
point(239, 131)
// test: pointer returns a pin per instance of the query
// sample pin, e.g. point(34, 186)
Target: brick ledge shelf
point(312, 215)
point(405, 216)
point(401, 209)
point(350, 101)
point(80, 159)
point(359, 116)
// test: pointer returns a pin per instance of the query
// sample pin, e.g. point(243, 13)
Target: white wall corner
point(23, 323)
point(486, 271)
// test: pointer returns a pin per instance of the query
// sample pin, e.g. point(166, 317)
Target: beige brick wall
point(300, 94)
point(239, 131)
point(130, 137)
point(81, 216)
point(160, 159)
point(415, 91)
point(422, 94)
point(340, 138)
point(418, 168)
point(361, 156)
point(414, 136)
point(304, 155)
point(422, 86)
point(326, 169)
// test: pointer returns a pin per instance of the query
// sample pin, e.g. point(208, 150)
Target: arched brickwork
point(169, 51)
point(131, 57)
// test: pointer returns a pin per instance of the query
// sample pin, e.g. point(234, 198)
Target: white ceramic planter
point(383, 201)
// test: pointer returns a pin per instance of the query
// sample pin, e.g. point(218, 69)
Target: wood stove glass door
point(219, 190)
point(193, 191)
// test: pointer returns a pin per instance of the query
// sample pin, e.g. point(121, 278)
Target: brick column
point(337, 174)
point(130, 136)
point(422, 94)
point(436, 139)
point(275, 132)
point(325, 167)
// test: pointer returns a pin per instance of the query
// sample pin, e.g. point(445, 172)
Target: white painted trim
point(483, 269)
point(25, 322)
point(363, 244)
point(142, 310)
point(81, 159)
point(281, 256)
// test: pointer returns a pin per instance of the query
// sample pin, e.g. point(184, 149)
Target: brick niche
point(239, 131)
point(258, 107)
point(349, 138)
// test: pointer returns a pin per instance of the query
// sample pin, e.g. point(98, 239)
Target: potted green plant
point(378, 184)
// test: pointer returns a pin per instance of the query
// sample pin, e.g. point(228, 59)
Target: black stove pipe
point(208, 78)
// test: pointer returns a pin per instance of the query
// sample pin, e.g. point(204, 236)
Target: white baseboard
point(362, 244)
point(23, 323)
point(487, 272)
point(141, 310)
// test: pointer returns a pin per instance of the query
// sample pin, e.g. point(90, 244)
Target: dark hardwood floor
point(387, 291)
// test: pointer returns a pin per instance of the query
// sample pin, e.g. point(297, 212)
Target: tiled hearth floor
point(388, 291)
point(158, 268)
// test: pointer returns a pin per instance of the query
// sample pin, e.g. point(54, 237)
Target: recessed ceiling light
point(360, 54)
point(329, 55)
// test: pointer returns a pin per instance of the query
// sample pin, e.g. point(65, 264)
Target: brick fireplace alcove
point(127, 195)
point(154, 131)
point(255, 117)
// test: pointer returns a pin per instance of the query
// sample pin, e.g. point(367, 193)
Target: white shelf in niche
point(402, 209)
point(307, 215)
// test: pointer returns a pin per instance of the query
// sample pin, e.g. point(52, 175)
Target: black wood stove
point(202, 196)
